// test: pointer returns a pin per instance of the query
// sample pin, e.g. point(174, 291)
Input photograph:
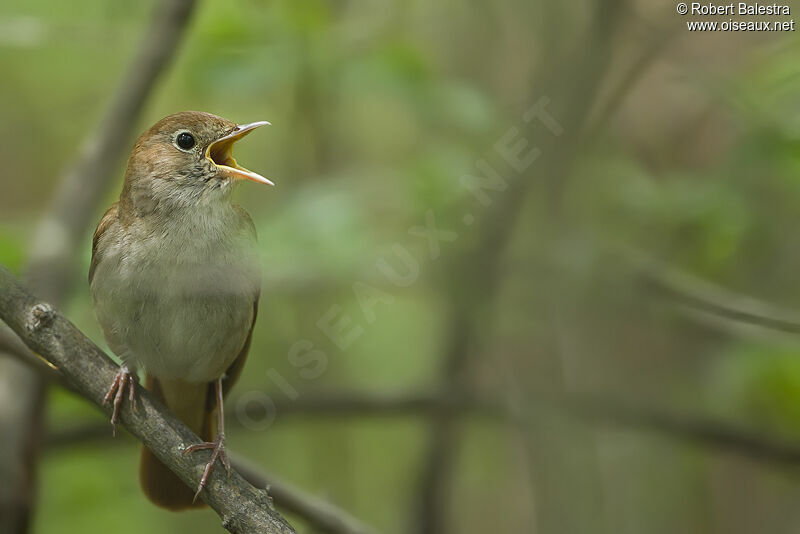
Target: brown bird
point(175, 282)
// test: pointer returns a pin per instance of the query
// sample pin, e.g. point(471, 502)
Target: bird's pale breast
point(180, 303)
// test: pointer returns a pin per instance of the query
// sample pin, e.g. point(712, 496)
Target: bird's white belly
point(184, 315)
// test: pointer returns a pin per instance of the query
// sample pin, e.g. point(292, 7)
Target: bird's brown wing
point(108, 218)
point(235, 369)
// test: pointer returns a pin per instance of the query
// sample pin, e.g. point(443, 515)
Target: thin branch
point(708, 298)
point(320, 514)
point(87, 181)
point(330, 404)
point(243, 508)
point(363, 404)
point(480, 267)
point(595, 409)
point(657, 40)
point(735, 438)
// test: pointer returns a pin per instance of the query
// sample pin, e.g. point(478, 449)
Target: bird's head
point(186, 160)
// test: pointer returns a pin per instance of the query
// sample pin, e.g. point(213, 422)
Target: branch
point(751, 443)
point(479, 268)
point(243, 508)
point(595, 409)
point(360, 404)
point(708, 298)
point(85, 184)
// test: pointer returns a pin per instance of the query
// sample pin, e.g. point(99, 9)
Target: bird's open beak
point(220, 154)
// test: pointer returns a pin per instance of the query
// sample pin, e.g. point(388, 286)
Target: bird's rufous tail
point(191, 404)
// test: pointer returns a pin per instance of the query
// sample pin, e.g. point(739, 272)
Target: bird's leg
point(217, 446)
point(125, 378)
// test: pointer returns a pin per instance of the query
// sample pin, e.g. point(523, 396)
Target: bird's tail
point(192, 404)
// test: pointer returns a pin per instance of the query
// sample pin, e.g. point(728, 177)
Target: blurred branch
point(595, 409)
point(360, 404)
point(657, 42)
point(21, 424)
point(479, 266)
point(319, 513)
point(706, 431)
point(86, 183)
point(703, 296)
point(51, 261)
point(592, 408)
point(243, 508)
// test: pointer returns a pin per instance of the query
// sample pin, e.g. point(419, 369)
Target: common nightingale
point(175, 282)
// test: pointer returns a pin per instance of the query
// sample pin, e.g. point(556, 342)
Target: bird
point(175, 284)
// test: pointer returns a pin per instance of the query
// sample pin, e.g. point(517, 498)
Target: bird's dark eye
point(185, 140)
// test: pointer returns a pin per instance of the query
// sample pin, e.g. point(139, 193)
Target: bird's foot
point(217, 452)
point(123, 379)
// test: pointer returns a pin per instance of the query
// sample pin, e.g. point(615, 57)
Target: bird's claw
point(217, 452)
point(124, 378)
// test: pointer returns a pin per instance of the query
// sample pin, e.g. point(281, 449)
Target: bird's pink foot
point(217, 452)
point(123, 379)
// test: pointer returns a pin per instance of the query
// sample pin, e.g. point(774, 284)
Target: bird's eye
point(185, 140)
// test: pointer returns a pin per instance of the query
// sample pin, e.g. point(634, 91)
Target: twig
point(594, 408)
point(243, 508)
point(87, 181)
point(709, 298)
point(331, 404)
point(735, 438)
point(320, 514)
point(362, 404)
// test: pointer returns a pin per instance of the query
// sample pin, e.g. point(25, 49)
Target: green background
point(681, 147)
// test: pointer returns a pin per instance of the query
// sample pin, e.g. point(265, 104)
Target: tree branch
point(243, 508)
point(595, 409)
point(703, 296)
point(85, 184)
point(361, 404)
point(592, 408)
point(721, 435)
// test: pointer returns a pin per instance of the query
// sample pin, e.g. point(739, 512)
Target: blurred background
point(530, 267)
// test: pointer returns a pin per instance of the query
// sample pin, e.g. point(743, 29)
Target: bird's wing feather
point(235, 369)
point(105, 223)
